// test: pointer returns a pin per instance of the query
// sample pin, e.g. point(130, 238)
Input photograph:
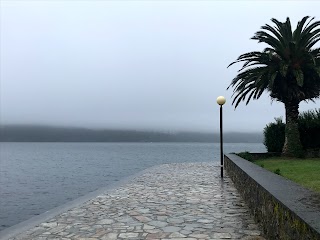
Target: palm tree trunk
point(292, 145)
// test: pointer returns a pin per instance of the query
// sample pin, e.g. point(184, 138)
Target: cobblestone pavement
point(173, 201)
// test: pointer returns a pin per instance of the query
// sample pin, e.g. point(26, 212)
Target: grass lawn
point(305, 172)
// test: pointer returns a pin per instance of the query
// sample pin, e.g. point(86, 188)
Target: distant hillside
point(29, 133)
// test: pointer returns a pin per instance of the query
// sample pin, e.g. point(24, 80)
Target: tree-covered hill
point(32, 133)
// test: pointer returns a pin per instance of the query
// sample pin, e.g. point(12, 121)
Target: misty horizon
point(36, 133)
point(149, 65)
point(96, 128)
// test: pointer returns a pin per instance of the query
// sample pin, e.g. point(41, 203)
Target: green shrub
point(309, 128)
point(274, 135)
point(246, 155)
point(277, 171)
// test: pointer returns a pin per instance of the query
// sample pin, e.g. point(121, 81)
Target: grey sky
point(134, 64)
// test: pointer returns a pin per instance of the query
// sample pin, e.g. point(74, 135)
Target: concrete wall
point(284, 209)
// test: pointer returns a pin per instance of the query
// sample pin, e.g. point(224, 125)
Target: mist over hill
point(33, 133)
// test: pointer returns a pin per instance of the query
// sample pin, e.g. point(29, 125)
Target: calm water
point(35, 177)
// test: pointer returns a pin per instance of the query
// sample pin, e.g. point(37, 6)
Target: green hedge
point(309, 128)
point(274, 135)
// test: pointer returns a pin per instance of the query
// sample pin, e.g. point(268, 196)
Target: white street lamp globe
point(221, 100)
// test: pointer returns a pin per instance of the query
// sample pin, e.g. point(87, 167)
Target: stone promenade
point(185, 201)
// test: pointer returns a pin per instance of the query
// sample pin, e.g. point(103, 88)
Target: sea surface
point(36, 177)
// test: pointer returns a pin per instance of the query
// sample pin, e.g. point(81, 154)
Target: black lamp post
point(221, 100)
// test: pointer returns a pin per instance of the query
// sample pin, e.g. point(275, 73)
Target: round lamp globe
point(221, 100)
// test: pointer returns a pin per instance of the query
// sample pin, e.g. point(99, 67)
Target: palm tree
point(288, 69)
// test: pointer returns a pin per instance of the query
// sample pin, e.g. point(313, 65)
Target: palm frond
point(299, 76)
point(289, 69)
point(297, 32)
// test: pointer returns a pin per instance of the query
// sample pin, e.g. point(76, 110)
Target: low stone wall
point(284, 209)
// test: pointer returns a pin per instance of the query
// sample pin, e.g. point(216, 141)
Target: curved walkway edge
point(172, 201)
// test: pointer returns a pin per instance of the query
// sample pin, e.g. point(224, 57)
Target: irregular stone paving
point(187, 201)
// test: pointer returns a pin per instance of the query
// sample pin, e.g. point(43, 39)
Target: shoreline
point(32, 222)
